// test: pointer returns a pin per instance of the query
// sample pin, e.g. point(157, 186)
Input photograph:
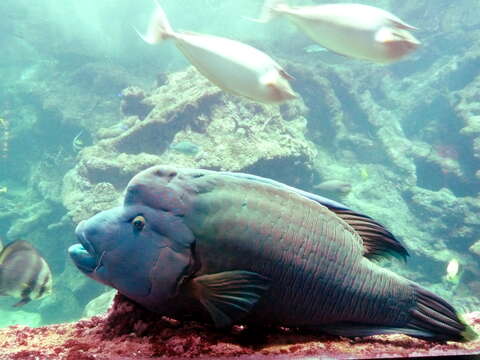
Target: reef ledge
point(127, 331)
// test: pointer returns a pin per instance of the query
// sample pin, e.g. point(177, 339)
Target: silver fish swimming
point(243, 249)
point(235, 67)
point(354, 30)
point(24, 273)
point(334, 186)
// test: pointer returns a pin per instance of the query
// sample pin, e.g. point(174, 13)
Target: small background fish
point(24, 273)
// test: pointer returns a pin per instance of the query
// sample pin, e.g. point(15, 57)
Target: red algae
point(129, 332)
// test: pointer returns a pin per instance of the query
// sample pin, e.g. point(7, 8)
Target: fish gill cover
point(403, 138)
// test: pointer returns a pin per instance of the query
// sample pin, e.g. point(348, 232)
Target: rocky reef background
point(88, 105)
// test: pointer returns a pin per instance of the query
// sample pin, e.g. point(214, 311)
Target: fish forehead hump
point(218, 198)
point(192, 187)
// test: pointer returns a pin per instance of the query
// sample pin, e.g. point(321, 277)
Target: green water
point(405, 136)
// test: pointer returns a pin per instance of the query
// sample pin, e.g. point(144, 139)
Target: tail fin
point(159, 27)
point(269, 10)
point(433, 318)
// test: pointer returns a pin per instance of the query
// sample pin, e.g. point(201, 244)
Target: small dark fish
point(336, 186)
point(249, 250)
point(24, 273)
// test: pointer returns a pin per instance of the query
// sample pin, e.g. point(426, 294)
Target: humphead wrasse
point(242, 249)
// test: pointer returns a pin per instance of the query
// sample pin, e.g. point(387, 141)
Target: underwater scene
point(210, 178)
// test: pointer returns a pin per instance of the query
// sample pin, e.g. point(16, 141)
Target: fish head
point(139, 249)
point(277, 87)
point(397, 42)
point(280, 91)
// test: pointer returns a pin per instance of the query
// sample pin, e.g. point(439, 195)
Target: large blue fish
point(245, 249)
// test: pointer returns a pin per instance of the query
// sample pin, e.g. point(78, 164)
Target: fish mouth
point(82, 258)
point(84, 254)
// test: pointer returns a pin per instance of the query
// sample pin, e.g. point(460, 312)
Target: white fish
point(355, 30)
point(233, 66)
point(453, 269)
point(333, 185)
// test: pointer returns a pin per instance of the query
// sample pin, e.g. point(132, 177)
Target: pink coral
point(130, 332)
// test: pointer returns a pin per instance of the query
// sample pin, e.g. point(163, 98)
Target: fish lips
point(84, 254)
point(82, 258)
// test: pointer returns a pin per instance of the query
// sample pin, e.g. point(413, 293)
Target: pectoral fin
point(286, 75)
point(229, 295)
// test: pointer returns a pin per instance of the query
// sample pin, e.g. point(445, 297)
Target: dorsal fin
point(377, 241)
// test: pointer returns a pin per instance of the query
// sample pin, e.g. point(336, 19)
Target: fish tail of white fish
point(159, 27)
point(271, 9)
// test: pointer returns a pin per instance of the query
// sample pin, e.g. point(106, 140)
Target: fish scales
point(256, 208)
point(299, 260)
point(310, 292)
point(259, 211)
point(278, 222)
point(308, 249)
point(335, 272)
point(256, 244)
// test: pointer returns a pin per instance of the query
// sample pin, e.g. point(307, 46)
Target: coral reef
point(230, 133)
point(129, 332)
point(100, 304)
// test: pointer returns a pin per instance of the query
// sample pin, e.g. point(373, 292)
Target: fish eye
point(139, 222)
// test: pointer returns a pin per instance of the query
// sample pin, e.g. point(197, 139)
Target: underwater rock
point(467, 108)
point(132, 102)
point(100, 304)
point(230, 133)
point(32, 216)
point(87, 97)
point(128, 331)
point(475, 248)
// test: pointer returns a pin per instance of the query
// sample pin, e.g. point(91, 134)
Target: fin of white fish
point(269, 10)
point(285, 74)
point(399, 24)
point(229, 295)
point(159, 27)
